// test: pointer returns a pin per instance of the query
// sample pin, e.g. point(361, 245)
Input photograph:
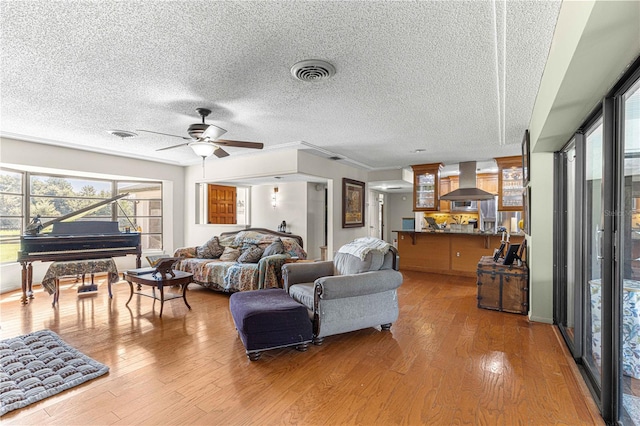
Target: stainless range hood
point(468, 189)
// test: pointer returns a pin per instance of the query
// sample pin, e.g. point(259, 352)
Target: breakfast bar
point(449, 253)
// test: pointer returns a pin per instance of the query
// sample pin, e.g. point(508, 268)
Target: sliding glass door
point(628, 273)
point(594, 290)
point(567, 233)
point(597, 250)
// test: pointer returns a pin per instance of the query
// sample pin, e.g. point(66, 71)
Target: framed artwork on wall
point(526, 210)
point(526, 152)
point(352, 203)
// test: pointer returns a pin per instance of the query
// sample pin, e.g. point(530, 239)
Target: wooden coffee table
point(159, 281)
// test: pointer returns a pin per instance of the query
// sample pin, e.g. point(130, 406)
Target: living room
point(563, 95)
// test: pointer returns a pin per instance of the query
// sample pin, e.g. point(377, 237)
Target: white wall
point(276, 163)
point(53, 159)
point(398, 206)
point(315, 219)
point(296, 205)
point(223, 170)
point(540, 243)
point(334, 171)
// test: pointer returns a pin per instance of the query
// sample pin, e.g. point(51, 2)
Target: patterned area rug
point(38, 365)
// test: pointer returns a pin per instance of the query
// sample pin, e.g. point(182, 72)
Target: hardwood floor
point(444, 362)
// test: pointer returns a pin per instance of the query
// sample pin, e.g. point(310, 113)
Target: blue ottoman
point(270, 319)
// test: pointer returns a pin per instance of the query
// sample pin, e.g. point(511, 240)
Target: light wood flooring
point(444, 362)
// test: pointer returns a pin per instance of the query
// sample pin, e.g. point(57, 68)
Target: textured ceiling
point(447, 77)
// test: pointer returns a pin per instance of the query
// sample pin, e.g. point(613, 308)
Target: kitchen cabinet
point(447, 253)
point(510, 183)
point(426, 187)
point(488, 182)
point(445, 188)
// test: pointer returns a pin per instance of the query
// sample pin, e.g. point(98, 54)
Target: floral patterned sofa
point(256, 267)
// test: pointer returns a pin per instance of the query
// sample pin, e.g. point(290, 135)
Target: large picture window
point(142, 209)
point(23, 195)
point(11, 213)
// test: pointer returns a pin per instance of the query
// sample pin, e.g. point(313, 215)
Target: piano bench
point(51, 281)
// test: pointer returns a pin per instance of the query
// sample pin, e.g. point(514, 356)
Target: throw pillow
point(275, 247)
point(251, 255)
point(210, 250)
point(230, 254)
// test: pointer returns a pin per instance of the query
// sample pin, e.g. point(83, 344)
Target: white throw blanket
point(360, 247)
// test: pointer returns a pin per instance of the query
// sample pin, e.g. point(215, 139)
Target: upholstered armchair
point(357, 290)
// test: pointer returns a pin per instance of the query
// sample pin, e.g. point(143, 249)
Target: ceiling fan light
point(203, 149)
point(213, 132)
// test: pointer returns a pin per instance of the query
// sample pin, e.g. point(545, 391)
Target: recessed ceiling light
point(419, 150)
point(122, 133)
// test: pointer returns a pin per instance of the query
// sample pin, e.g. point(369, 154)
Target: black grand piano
point(74, 240)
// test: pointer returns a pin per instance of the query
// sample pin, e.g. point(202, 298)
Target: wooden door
point(222, 204)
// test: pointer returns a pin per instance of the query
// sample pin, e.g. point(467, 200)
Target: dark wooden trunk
point(501, 287)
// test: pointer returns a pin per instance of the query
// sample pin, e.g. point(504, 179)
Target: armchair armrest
point(341, 286)
point(295, 273)
point(185, 252)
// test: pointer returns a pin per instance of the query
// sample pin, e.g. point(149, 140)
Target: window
point(55, 196)
point(11, 213)
point(142, 210)
point(25, 195)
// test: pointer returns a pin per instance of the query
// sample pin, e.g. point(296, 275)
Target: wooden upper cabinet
point(455, 182)
point(445, 188)
point(426, 187)
point(222, 204)
point(510, 183)
point(488, 182)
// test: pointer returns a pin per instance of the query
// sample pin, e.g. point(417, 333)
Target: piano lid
point(95, 227)
point(36, 225)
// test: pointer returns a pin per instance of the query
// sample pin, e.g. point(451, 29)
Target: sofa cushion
point(303, 293)
point(247, 237)
point(275, 247)
point(210, 250)
point(293, 248)
point(348, 264)
point(230, 254)
point(251, 254)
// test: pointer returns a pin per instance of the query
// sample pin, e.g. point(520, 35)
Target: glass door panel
point(568, 274)
point(629, 273)
point(592, 262)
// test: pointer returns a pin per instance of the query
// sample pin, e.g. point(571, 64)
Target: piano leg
point(27, 282)
point(30, 281)
point(23, 299)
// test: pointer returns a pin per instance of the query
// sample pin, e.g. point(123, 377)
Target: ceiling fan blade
point(220, 153)
point(213, 132)
point(165, 134)
point(239, 144)
point(173, 146)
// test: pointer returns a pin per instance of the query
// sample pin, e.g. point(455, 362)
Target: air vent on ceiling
point(122, 133)
point(312, 70)
point(335, 158)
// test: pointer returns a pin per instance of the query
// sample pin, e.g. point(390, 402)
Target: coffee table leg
point(184, 294)
point(161, 298)
point(131, 294)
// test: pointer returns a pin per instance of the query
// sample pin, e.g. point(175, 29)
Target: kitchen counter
point(446, 252)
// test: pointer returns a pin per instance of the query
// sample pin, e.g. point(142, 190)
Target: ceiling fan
point(203, 139)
